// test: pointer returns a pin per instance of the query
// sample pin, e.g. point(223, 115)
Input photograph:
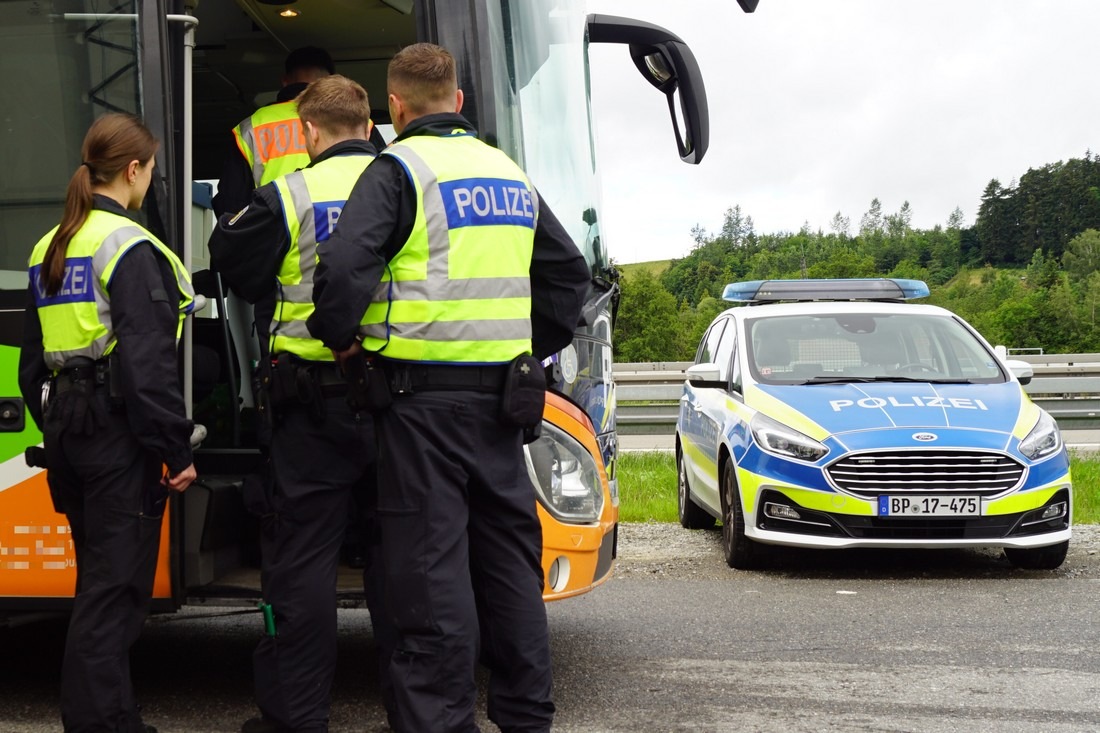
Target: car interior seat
point(772, 354)
point(883, 354)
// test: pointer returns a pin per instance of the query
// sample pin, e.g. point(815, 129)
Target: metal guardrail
point(1065, 385)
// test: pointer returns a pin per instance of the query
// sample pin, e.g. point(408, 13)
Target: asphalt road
point(675, 641)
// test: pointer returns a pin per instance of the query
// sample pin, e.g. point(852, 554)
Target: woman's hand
point(182, 480)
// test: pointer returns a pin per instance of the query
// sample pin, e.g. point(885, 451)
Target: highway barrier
point(1065, 385)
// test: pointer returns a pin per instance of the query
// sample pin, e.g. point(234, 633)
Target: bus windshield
point(540, 99)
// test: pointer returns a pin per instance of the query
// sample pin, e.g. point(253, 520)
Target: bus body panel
point(524, 67)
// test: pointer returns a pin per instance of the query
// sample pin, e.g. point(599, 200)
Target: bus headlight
point(565, 476)
point(1043, 439)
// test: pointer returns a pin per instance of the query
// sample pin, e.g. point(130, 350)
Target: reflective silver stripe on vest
point(498, 330)
point(248, 137)
point(302, 294)
point(307, 240)
point(291, 329)
point(438, 285)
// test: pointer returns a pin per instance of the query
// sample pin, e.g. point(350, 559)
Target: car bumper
point(1028, 526)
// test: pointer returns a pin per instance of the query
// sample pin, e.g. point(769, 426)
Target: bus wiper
point(863, 380)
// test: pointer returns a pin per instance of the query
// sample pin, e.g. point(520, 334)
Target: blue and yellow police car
point(835, 414)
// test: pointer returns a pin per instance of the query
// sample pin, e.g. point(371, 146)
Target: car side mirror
point(1021, 370)
point(706, 376)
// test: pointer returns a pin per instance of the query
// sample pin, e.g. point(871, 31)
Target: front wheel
point(692, 516)
point(1038, 558)
point(740, 551)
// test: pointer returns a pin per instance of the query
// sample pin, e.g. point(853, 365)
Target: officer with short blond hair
point(322, 450)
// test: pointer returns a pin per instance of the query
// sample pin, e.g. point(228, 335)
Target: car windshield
point(867, 347)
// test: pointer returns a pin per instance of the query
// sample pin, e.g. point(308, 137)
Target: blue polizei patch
point(325, 216)
point(472, 202)
point(77, 287)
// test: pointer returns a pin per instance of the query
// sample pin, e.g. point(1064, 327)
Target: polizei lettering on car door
point(486, 202)
point(875, 403)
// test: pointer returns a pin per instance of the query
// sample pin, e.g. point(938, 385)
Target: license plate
point(929, 506)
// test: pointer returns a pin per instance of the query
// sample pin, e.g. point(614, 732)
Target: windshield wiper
point(862, 380)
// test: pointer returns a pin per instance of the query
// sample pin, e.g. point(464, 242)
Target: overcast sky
point(819, 106)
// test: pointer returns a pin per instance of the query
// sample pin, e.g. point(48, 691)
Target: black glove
point(80, 413)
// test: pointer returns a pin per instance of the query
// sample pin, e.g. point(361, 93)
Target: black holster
point(368, 388)
point(524, 396)
point(109, 373)
point(292, 383)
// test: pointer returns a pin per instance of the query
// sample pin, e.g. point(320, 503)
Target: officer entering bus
point(98, 372)
point(269, 143)
point(322, 450)
point(451, 271)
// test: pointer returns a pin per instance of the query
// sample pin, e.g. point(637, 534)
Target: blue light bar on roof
point(771, 291)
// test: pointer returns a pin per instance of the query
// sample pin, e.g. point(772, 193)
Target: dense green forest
point(1026, 274)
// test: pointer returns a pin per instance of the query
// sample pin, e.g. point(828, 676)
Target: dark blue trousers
point(316, 467)
point(109, 488)
point(461, 547)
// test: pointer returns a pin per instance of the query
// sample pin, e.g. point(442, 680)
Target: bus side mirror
point(668, 64)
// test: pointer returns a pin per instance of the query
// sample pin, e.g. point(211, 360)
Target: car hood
point(846, 408)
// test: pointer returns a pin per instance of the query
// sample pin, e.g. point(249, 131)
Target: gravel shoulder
point(666, 549)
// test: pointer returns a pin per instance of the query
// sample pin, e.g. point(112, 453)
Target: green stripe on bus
point(13, 444)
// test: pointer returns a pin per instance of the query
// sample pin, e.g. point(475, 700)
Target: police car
point(832, 414)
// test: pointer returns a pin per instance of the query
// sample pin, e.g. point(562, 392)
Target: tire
point(692, 516)
point(1038, 558)
point(741, 552)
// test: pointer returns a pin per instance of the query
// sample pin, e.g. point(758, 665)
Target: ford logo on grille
point(925, 437)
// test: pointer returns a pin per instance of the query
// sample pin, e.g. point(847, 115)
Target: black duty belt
point(327, 376)
point(84, 376)
point(427, 377)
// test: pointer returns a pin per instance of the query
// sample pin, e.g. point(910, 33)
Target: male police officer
point(321, 449)
point(454, 266)
point(269, 143)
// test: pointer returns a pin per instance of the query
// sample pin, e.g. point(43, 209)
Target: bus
point(192, 70)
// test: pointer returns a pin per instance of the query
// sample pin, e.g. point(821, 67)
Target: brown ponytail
point(112, 142)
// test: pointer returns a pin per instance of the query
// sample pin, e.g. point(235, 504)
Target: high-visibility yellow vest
point(312, 200)
point(272, 141)
point(76, 320)
point(459, 290)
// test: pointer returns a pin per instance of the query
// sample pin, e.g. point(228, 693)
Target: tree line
point(1026, 274)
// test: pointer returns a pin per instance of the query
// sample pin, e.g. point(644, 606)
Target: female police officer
point(105, 305)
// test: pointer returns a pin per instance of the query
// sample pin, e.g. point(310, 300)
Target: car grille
point(934, 472)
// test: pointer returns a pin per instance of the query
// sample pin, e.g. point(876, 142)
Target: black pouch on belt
point(112, 375)
point(284, 382)
point(524, 393)
point(368, 388)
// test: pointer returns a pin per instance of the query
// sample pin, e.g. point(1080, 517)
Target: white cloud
point(818, 106)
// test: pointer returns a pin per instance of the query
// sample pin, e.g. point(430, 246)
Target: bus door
point(63, 64)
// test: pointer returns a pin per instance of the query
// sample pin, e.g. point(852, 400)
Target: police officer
point(448, 265)
point(269, 143)
point(321, 448)
point(105, 307)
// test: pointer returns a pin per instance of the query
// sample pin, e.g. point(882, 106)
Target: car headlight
point(1043, 440)
point(565, 476)
point(775, 437)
